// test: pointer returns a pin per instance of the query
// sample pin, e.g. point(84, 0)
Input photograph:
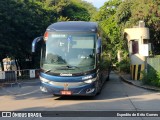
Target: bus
point(71, 59)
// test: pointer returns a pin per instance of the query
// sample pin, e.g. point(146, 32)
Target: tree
point(70, 10)
point(76, 12)
point(90, 8)
point(19, 26)
point(111, 32)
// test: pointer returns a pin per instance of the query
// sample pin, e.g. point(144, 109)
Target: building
point(139, 47)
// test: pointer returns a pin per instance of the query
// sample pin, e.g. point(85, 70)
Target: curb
point(140, 86)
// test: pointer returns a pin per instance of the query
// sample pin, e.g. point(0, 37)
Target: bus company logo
point(66, 86)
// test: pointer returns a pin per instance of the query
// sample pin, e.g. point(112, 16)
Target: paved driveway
point(116, 96)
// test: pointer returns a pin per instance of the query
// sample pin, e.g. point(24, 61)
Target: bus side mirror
point(98, 46)
point(35, 41)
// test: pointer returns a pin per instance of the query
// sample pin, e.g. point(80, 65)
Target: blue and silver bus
point(70, 59)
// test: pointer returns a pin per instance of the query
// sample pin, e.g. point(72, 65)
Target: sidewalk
point(21, 83)
point(127, 78)
point(21, 88)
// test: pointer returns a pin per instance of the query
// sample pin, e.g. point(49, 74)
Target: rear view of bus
point(70, 58)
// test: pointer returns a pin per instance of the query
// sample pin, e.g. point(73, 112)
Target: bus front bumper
point(74, 89)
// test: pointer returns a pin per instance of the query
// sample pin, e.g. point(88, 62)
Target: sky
point(97, 3)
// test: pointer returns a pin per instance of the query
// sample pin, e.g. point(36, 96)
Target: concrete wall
point(137, 33)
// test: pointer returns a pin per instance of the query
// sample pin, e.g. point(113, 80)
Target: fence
point(12, 77)
point(153, 64)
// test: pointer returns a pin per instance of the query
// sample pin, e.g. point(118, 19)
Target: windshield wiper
point(67, 67)
point(48, 70)
point(71, 66)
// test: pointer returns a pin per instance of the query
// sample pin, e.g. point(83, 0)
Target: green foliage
point(76, 12)
point(71, 9)
point(61, 18)
point(90, 8)
point(151, 78)
point(123, 12)
point(124, 66)
point(19, 25)
point(111, 31)
point(105, 61)
point(111, 35)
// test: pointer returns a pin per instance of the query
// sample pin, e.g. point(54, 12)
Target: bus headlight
point(44, 80)
point(90, 80)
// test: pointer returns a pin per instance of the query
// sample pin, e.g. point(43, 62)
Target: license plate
point(66, 92)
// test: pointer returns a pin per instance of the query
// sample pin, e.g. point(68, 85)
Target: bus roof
point(73, 26)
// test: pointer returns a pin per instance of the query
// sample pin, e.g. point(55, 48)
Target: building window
point(135, 48)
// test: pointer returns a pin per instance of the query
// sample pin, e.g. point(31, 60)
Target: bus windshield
point(68, 53)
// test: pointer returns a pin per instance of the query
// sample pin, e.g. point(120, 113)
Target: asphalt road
point(115, 96)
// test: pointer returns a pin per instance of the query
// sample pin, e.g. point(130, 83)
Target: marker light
point(45, 36)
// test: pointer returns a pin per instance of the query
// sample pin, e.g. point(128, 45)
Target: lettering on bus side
point(63, 74)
